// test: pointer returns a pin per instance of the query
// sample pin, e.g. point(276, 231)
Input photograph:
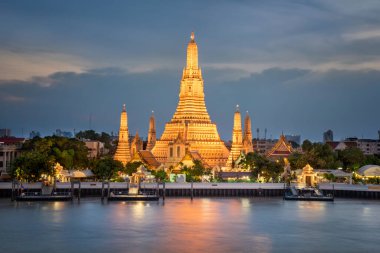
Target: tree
point(352, 158)
point(307, 146)
point(94, 136)
point(195, 172)
point(107, 168)
point(31, 165)
point(131, 167)
point(160, 175)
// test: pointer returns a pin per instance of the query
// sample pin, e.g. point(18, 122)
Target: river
point(182, 225)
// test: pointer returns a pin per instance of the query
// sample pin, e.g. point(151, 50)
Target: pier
point(191, 190)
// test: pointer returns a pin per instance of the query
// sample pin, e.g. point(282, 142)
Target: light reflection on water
point(181, 225)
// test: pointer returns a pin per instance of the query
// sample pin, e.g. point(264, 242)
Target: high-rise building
point(34, 134)
point(191, 128)
point(5, 132)
point(328, 136)
point(294, 138)
point(123, 152)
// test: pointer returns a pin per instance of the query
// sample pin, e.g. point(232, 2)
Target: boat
point(36, 196)
point(306, 194)
point(133, 194)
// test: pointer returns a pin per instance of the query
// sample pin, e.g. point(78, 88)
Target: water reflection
point(181, 225)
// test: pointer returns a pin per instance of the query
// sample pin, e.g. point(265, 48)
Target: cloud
point(32, 66)
point(297, 101)
point(362, 35)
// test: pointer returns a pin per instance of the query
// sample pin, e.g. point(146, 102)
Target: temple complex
point(247, 138)
point(123, 153)
point(237, 139)
point(136, 144)
point(151, 133)
point(191, 128)
point(282, 149)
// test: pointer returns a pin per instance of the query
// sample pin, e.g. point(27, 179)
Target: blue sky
point(300, 67)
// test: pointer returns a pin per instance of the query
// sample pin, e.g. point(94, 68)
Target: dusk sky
point(301, 67)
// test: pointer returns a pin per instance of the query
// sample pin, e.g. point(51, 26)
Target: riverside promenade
point(94, 189)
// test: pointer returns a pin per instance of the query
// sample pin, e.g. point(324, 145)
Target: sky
point(298, 67)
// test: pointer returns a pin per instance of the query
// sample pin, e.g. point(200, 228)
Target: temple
point(191, 128)
point(151, 133)
point(237, 140)
point(282, 149)
point(136, 144)
point(123, 153)
point(247, 138)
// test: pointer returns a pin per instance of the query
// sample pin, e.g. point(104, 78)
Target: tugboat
point(306, 194)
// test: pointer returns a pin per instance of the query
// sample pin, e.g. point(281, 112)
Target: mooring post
point(333, 191)
point(102, 197)
point(72, 191)
point(192, 190)
point(79, 190)
point(163, 191)
point(13, 190)
point(108, 191)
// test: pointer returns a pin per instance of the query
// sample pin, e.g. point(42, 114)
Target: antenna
point(89, 121)
point(265, 136)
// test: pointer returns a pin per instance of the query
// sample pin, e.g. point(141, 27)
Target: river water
point(182, 225)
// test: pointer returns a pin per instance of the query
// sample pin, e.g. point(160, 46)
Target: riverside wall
point(94, 189)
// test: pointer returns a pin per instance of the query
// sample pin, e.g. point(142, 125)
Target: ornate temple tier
point(191, 128)
point(123, 152)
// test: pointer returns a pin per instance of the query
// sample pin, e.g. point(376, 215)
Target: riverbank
point(94, 189)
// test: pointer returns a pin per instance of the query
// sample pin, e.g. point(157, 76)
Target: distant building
point(95, 148)
point(294, 138)
point(263, 146)
point(367, 146)
point(61, 133)
point(328, 136)
point(10, 149)
point(34, 134)
point(4, 132)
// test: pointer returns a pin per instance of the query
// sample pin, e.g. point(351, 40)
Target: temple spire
point(192, 54)
point(151, 133)
point(123, 153)
point(237, 139)
point(247, 138)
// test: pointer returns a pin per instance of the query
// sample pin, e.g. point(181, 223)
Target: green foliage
point(307, 146)
point(319, 156)
point(131, 167)
point(31, 165)
point(260, 165)
point(195, 172)
point(107, 168)
point(329, 177)
point(160, 175)
point(39, 156)
point(352, 158)
point(94, 136)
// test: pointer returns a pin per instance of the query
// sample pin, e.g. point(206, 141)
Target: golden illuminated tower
point(136, 145)
point(247, 138)
point(237, 139)
point(191, 128)
point(151, 133)
point(123, 153)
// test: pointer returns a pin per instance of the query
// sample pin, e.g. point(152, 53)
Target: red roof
point(11, 140)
